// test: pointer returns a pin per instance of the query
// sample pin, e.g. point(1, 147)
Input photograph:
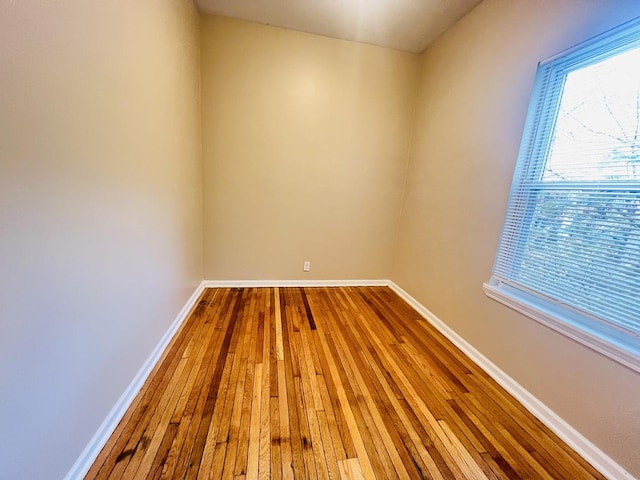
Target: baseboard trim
point(99, 439)
point(591, 453)
point(294, 283)
point(600, 460)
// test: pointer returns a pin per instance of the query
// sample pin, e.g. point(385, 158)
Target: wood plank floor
point(326, 383)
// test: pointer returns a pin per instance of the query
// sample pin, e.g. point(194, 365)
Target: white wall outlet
point(306, 266)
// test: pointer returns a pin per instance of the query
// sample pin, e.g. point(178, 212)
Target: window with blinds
point(569, 253)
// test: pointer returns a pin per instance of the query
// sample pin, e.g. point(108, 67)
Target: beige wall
point(475, 89)
point(100, 211)
point(305, 142)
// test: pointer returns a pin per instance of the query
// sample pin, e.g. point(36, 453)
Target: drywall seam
point(417, 92)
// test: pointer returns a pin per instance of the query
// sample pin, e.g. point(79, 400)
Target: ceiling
point(409, 25)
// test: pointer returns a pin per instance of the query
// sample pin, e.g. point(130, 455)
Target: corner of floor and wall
point(100, 212)
point(146, 147)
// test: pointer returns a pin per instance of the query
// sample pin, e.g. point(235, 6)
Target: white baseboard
point(596, 457)
point(99, 439)
point(592, 454)
point(294, 283)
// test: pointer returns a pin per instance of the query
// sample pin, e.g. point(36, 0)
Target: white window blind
point(571, 237)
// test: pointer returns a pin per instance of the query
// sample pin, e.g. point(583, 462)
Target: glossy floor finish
point(325, 383)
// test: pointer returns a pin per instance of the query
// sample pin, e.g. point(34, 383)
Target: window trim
point(602, 338)
point(616, 343)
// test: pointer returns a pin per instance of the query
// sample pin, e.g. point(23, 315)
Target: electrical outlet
point(306, 266)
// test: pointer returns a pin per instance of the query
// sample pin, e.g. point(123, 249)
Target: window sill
point(607, 340)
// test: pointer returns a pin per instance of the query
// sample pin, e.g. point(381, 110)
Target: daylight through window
point(569, 254)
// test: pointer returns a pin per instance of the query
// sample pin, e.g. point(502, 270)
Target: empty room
point(341, 239)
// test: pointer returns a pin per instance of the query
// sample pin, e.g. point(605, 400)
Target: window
point(569, 254)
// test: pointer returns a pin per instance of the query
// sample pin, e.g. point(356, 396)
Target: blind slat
point(572, 226)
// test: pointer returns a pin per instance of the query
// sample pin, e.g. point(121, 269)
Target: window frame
point(617, 343)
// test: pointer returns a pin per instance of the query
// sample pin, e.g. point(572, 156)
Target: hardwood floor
point(339, 383)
